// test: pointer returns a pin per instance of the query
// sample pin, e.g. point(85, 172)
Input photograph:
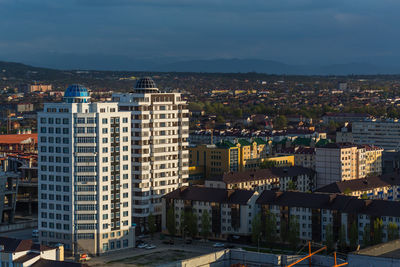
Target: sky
point(117, 33)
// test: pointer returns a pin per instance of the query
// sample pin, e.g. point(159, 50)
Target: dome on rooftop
point(145, 83)
point(78, 92)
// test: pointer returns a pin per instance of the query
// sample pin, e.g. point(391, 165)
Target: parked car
point(219, 245)
point(150, 247)
point(142, 245)
point(168, 242)
point(35, 233)
point(84, 257)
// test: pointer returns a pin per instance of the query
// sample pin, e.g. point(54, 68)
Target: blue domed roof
point(76, 90)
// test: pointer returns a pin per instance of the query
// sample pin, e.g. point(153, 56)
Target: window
point(104, 121)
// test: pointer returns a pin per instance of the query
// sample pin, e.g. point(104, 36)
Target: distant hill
point(270, 67)
point(207, 66)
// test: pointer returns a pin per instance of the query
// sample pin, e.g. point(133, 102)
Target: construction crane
point(308, 256)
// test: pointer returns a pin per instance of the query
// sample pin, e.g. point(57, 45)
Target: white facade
point(160, 155)
point(381, 133)
point(85, 176)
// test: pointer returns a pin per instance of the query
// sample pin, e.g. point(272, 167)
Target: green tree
point(151, 220)
point(294, 231)
point(393, 231)
point(347, 191)
point(205, 224)
point(266, 164)
point(280, 122)
point(367, 235)
point(192, 226)
point(353, 236)
point(292, 185)
point(182, 226)
point(284, 230)
point(329, 237)
point(256, 228)
point(378, 231)
point(342, 238)
point(171, 224)
point(270, 227)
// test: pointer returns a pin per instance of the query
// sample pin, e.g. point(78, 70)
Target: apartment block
point(385, 187)
point(381, 133)
point(160, 155)
point(338, 162)
point(84, 171)
point(230, 211)
point(280, 178)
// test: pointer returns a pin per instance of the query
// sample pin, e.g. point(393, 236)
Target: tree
point(270, 227)
point(329, 237)
point(256, 228)
point(353, 236)
point(393, 231)
point(342, 238)
point(171, 224)
point(378, 231)
point(367, 235)
point(292, 185)
point(347, 191)
point(284, 230)
point(182, 227)
point(205, 224)
point(192, 225)
point(151, 220)
point(280, 122)
point(294, 231)
point(266, 164)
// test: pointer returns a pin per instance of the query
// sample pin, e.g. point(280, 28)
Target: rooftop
point(18, 138)
point(261, 174)
point(219, 195)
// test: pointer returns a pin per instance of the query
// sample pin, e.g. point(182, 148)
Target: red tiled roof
point(17, 138)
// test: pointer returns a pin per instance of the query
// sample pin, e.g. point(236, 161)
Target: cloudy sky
point(63, 33)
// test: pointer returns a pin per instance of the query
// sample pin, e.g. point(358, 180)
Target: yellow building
point(215, 160)
point(373, 160)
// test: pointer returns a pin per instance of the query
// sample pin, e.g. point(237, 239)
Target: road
point(20, 234)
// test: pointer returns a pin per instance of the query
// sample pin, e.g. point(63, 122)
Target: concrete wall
point(371, 261)
point(18, 226)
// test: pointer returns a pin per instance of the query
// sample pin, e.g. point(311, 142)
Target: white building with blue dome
point(85, 174)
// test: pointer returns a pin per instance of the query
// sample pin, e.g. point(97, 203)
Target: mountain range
point(211, 66)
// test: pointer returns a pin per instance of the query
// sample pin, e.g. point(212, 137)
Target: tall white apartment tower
point(85, 174)
point(160, 156)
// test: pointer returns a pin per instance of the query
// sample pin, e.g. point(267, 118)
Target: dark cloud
point(292, 31)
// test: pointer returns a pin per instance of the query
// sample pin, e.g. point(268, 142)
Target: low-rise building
point(284, 178)
point(305, 157)
point(25, 253)
point(385, 187)
point(228, 210)
point(231, 212)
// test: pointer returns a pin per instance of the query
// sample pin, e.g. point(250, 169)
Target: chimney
point(230, 192)
point(332, 197)
point(367, 202)
point(278, 194)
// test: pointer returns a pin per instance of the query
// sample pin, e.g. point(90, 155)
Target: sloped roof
point(18, 245)
point(218, 195)
point(17, 138)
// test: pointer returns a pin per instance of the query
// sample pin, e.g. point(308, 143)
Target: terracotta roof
point(218, 195)
point(261, 174)
point(17, 138)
